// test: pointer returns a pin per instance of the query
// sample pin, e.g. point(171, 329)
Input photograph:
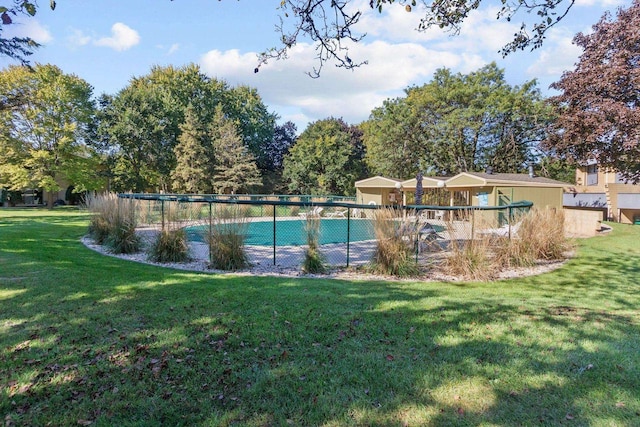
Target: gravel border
point(289, 259)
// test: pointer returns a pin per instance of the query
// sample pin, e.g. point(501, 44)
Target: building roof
point(377, 182)
point(475, 179)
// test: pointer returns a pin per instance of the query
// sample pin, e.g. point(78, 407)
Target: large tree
point(195, 157)
point(143, 122)
point(235, 167)
point(330, 24)
point(599, 104)
point(284, 137)
point(324, 160)
point(457, 123)
point(42, 139)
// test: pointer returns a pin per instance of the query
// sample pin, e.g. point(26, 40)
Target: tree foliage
point(599, 104)
point(18, 48)
point(42, 139)
point(195, 157)
point(324, 159)
point(235, 167)
point(457, 123)
point(142, 122)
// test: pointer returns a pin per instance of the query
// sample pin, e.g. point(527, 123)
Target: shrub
point(314, 261)
point(540, 236)
point(170, 246)
point(472, 259)
point(393, 255)
point(226, 239)
point(104, 208)
point(113, 223)
point(122, 238)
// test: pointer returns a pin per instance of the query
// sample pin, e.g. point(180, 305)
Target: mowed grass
point(87, 339)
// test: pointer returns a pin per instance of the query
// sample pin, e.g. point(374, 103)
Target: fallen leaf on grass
point(390, 357)
point(84, 422)
point(620, 405)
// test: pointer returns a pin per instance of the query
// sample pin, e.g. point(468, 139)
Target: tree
point(457, 123)
point(329, 24)
point(323, 160)
point(284, 136)
point(393, 140)
point(255, 123)
point(43, 138)
point(143, 122)
point(235, 169)
point(195, 157)
point(599, 104)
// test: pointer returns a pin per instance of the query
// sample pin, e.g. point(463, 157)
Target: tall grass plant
point(226, 238)
point(114, 222)
point(394, 254)
point(314, 261)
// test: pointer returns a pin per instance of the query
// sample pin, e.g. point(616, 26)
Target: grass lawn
point(92, 340)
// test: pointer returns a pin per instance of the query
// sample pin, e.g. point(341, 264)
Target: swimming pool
point(292, 232)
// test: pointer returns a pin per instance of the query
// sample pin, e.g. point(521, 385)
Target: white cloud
point(122, 38)
point(78, 38)
point(558, 54)
point(173, 49)
point(351, 95)
point(601, 3)
point(28, 28)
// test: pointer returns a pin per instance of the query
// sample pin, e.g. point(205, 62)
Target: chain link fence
point(275, 229)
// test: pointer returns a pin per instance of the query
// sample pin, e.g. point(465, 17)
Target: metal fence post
point(348, 233)
point(210, 232)
point(274, 234)
point(162, 212)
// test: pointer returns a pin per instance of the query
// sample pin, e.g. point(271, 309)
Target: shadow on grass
point(87, 338)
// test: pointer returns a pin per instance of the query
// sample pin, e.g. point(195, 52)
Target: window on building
point(592, 175)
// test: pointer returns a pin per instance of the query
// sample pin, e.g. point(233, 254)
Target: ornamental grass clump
point(170, 245)
point(393, 254)
point(226, 237)
point(540, 237)
point(113, 223)
point(122, 238)
point(472, 259)
point(103, 208)
point(314, 260)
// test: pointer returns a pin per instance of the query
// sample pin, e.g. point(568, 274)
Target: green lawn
point(92, 340)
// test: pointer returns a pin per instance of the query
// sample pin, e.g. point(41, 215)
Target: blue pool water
point(292, 232)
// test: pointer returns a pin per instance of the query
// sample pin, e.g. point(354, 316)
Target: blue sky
point(106, 42)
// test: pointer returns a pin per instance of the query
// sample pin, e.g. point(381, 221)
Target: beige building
point(379, 190)
point(465, 189)
point(598, 188)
